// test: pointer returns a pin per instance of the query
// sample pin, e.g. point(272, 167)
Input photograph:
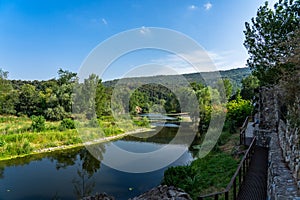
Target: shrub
point(224, 138)
point(26, 147)
point(206, 174)
point(67, 124)
point(93, 123)
point(176, 175)
point(2, 142)
point(238, 110)
point(143, 122)
point(38, 123)
point(55, 114)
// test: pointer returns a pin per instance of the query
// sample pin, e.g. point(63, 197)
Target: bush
point(38, 123)
point(143, 122)
point(26, 147)
point(55, 114)
point(238, 110)
point(224, 138)
point(93, 123)
point(67, 124)
point(2, 142)
point(211, 173)
point(176, 175)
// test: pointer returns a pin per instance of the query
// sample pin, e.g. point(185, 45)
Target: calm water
point(71, 174)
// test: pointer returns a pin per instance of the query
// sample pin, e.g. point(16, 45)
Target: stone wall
point(284, 153)
point(289, 143)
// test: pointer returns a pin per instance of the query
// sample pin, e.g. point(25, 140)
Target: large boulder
point(163, 192)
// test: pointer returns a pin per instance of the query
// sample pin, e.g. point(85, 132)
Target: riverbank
point(17, 139)
point(97, 141)
point(209, 174)
point(71, 146)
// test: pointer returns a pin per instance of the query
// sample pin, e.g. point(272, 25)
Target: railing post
point(234, 189)
point(240, 172)
point(241, 135)
point(226, 195)
point(244, 171)
point(240, 177)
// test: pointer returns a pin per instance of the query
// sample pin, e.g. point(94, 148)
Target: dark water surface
point(71, 174)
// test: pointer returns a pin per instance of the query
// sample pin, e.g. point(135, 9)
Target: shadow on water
point(75, 173)
point(83, 183)
point(87, 167)
point(165, 134)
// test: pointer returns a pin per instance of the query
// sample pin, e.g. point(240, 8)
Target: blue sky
point(37, 37)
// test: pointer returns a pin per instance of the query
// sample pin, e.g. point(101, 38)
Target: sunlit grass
point(209, 174)
point(17, 138)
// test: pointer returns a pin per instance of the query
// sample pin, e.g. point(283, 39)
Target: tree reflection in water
point(84, 183)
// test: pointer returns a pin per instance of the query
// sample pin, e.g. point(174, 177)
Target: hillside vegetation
point(40, 114)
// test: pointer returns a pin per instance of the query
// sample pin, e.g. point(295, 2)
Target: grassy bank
point(209, 174)
point(18, 138)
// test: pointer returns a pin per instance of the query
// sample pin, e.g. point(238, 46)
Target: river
point(71, 174)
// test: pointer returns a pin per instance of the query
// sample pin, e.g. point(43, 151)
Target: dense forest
point(234, 75)
point(64, 97)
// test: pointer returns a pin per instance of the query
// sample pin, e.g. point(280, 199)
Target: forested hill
point(234, 75)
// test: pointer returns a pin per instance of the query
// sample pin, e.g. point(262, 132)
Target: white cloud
point(182, 63)
point(176, 63)
point(192, 7)
point(208, 6)
point(104, 21)
point(228, 59)
point(144, 30)
point(203, 61)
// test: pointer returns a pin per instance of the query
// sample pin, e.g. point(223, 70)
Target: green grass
point(18, 139)
point(206, 175)
point(16, 144)
point(202, 176)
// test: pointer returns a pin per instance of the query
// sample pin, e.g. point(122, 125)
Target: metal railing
point(243, 130)
point(234, 185)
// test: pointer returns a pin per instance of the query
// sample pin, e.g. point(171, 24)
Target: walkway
point(255, 185)
point(249, 133)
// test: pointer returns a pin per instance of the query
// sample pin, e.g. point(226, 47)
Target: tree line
point(65, 97)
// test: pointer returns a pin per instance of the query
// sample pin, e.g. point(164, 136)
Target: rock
point(102, 196)
point(163, 192)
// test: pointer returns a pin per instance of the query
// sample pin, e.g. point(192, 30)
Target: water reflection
point(164, 135)
point(75, 173)
point(88, 165)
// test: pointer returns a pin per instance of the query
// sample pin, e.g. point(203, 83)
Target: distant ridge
point(234, 75)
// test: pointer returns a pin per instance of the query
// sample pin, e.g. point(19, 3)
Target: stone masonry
point(284, 152)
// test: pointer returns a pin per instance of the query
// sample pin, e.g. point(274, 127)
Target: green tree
point(87, 95)
point(102, 104)
point(196, 86)
point(237, 110)
point(266, 34)
point(204, 98)
point(28, 100)
point(249, 85)
point(38, 123)
point(9, 96)
point(64, 92)
point(66, 77)
point(226, 84)
point(172, 104)
point(138, 99)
